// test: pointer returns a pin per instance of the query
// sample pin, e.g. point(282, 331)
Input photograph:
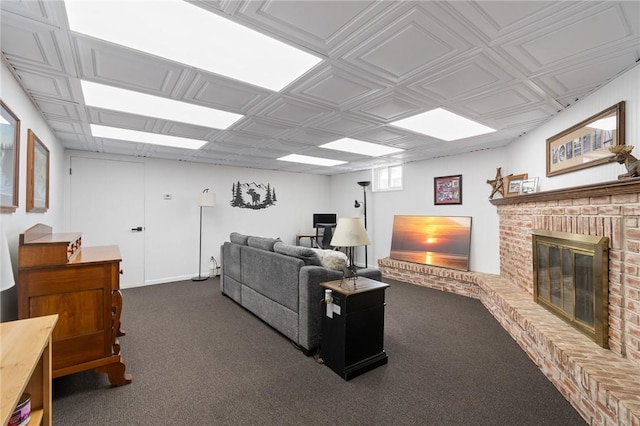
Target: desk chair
point(323, 239)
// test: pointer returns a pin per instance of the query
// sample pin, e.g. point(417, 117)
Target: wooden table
point(25, 366)
point(353, 326)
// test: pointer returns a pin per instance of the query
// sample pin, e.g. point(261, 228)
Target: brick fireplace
point(602, 384)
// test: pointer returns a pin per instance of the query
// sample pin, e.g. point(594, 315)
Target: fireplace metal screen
point(571, 279)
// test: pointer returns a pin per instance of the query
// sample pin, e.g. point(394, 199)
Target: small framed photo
point(447, 190)
point(529, 186)
point(37, 174)
point(513, 183)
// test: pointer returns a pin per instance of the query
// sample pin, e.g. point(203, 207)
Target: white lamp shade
point(207, 199)
point(350, 232)
point(6, 270)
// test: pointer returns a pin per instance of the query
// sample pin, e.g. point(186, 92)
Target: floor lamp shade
point(207, 199)
point(6, 273)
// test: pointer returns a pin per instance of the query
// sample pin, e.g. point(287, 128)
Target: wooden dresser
point(56, 275)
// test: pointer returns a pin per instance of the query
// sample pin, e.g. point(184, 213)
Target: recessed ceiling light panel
point(305, 159)
point(179, 31)
point(117, 133)
point(360, 147)
point(116, 99)
point(442, 124)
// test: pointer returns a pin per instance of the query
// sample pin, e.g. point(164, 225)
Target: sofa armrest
point(311, 297)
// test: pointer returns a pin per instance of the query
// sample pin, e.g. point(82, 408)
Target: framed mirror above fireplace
point(571, 279)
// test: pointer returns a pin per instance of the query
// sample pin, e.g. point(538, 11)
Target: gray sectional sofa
point(280, 283)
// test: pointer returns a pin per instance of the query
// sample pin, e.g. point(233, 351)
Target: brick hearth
point(603, 385)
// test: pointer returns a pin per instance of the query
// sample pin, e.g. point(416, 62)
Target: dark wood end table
point(353, 326)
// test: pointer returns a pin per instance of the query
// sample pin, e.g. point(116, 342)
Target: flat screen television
point(443, 241)
point(323, 218)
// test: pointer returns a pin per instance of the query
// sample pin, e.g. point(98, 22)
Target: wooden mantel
point(616, 187)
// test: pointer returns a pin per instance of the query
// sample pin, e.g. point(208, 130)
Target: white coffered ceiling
point(509, 65)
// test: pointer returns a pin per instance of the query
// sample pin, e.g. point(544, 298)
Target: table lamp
point(350, 233)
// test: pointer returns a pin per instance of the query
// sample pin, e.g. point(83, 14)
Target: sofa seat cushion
point(306, 254)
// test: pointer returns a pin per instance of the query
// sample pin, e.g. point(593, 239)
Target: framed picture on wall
point(447, 190)
point(37, 174)
point(587, 143)
point(9, 159)
point(513, 183)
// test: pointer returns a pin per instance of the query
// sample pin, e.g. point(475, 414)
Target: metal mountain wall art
point(252, 196)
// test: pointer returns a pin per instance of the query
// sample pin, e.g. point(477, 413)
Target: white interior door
point(107, 206)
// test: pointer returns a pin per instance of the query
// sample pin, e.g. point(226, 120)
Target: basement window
point(387, 178)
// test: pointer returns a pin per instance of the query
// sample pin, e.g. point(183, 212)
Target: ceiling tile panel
point(390, 107)
point(581, 79)
point(31, 44)
point(342, 124)
point(571, 40)
point(60, 110)
point(466, 78)
point(117, 119)
point(382, 135)
point(413, 41)
point(187, 131)
point(218, 92)
point(336, 88)
point(292, 112)
point(123, 67)
point(42, 83)
point(517, 96)
point(309, 137)
point(316, 24)
point(260, 127)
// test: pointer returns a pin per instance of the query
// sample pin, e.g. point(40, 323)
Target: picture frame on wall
point(37, 174)
point(587, 143)
point(447, 190)
point(9, 159)
point(513, 183)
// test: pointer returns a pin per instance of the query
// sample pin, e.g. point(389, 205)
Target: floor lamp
point(364, 184)
point(207, 199)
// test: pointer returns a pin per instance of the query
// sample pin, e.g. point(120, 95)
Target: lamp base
point(200, 278)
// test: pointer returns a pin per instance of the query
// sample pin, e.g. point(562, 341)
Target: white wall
point(13, 224)
point(416, 198)
point(527, 154)
point(172, 226)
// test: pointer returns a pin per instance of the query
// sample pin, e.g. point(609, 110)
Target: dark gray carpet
point(196, 357)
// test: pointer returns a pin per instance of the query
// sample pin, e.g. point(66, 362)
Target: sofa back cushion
point(238, 238)
point(261, 243)
point(306, 254)
point(271, 274)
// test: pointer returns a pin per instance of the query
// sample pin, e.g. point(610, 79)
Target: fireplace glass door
point(570, 279)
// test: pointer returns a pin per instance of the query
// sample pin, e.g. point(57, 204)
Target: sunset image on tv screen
point(443, 241)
